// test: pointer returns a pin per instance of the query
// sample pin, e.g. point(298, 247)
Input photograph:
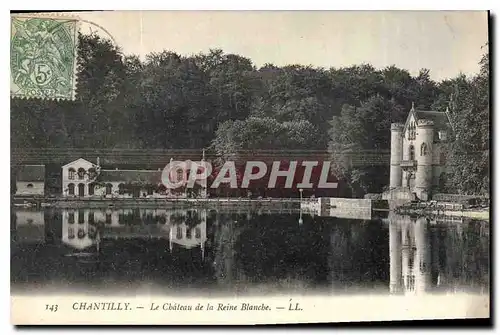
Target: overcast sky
point(445, 42)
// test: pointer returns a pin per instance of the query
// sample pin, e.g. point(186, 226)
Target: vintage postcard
point(249, 167)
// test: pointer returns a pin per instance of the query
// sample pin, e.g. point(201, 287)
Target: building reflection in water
point(247, 247)
point(410, 258)
point(83, 229)
point(452, 255)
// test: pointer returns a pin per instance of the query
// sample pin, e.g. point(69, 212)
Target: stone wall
point(398, 194)
point(30, 188)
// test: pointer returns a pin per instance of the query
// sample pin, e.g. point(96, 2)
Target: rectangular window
point(71, 218)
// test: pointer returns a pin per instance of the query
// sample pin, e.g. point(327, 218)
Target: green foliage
point(359, 131)
point(222, 100)
point(264, 133)
point(469, 158)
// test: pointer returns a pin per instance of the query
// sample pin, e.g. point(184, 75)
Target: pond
point(211, 252)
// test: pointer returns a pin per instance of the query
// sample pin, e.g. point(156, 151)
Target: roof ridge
point(129, 170)
point(429, 111)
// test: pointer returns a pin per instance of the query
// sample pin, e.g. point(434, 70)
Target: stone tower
point(418, 155)
point(396, 155)
point(424, 145)
point(410, 255)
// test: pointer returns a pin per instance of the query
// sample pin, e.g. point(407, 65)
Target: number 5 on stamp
point(43, 57)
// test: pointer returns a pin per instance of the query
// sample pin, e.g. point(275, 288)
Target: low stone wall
point(471, 200)
point(398, 194)
point(352, 208)
point(363, 213)
point(347, 203)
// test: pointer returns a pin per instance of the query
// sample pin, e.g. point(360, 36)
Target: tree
point(359, 137)
point(468, 157)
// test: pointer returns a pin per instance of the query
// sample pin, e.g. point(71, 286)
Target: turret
point(423, 154)
point(396, 155)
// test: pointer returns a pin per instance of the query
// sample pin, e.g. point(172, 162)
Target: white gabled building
point(82, 178)
point(78, 177)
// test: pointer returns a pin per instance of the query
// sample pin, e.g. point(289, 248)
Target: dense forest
point(223, 102)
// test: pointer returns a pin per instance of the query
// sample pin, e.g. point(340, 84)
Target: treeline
point(225, 103)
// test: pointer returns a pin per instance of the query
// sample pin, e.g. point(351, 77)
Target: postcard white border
point(199, 4)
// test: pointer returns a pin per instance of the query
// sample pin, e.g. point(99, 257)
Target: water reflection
point(434, 255)
point(247, 251)
point(85, 229)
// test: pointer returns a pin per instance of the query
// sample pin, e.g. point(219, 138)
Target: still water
point(209, 252)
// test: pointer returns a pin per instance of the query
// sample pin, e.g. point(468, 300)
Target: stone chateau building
point(418, 155)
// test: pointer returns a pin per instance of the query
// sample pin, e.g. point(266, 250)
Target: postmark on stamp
point(43, 57)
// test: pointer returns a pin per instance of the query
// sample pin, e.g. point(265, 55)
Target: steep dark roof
point(31, 173)
point(440, 119)
point(131, 176)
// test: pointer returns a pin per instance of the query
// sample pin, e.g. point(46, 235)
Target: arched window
point(29, 186)
point(71, 173)
point(109, 188)
point(179, 233)
point(108, 218)
point(81, 190)
point(423, 150)
point(71, 189)
point(189, 234)
point(81, 173)
point(91, 188)
point(412, 152)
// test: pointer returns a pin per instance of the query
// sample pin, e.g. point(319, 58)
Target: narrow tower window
point(411, 131)
point(412, 152)
point(423, 150)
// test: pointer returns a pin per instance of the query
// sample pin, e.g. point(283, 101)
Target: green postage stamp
point(43, 57)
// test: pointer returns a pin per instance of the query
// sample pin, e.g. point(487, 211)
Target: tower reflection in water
point(251, 247)
point(451, 256)
point(410, 255)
